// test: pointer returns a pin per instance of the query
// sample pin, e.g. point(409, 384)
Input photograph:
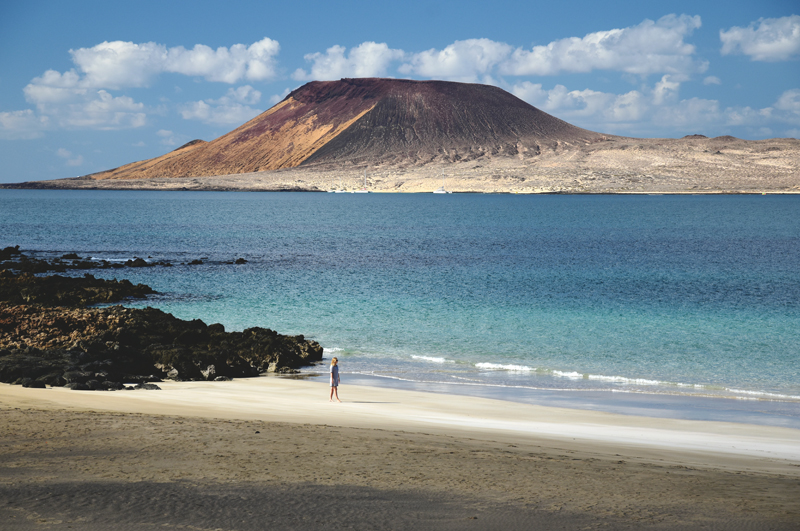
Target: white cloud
point(657, 109)
point(63, 100)
point(461, 61)
point(102, 111)
point(712, 80)
point(71, 160)
point(648, 48)
point(787, 107)
point(54, 87)
point(689, 114)
point(255, 62)
point(169, 138)
point(231, 109)
point(767, 39)
point(789, 101)
point(25, 124)
point(245, 94)
point(587, 106)
point(119, 64)
point(368, 59)
point(667, 89)
point(628, 107)
point(79, 98)
point(277, 98)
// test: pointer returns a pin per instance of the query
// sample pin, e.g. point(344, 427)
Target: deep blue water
point(653, 296)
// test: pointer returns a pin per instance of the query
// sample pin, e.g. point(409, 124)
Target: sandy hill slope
point(368, 122)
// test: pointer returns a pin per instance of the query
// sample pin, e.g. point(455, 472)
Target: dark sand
point(73, 469)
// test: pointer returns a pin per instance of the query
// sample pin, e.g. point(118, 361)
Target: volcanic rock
point(13, 259)
point(9, 252)
point(56, 290)
point(373, 121)
point(102, 349)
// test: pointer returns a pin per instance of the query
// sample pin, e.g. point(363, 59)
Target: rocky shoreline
point(49, 336)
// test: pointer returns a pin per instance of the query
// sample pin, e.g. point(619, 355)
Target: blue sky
point(87, 86)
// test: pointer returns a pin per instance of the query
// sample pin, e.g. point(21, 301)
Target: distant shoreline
point(137, 186)
point(691, 165)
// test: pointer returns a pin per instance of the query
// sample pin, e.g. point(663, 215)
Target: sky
point(86, 86)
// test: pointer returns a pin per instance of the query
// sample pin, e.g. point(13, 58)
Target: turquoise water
point(651, 296)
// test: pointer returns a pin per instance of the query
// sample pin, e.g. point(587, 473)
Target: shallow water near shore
point(685, 306)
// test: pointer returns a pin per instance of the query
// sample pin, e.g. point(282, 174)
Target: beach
point(272, 452)
point(509, 362)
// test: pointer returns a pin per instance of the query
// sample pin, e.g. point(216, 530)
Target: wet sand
point(274, 453)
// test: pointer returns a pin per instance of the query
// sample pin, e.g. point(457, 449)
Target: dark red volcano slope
point(371, 121)
point(420, 121)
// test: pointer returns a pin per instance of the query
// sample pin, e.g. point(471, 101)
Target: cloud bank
point(646, 112)
point(118, 64)
point(767, 39)
point(648, 48)
point(468, 60)
point(368, 59)
point(656, 56)
point(231, 109)
point(80, 99)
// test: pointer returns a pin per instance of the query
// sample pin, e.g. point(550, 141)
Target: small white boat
point(363, 190)
point(338, 190)
point(441, 189)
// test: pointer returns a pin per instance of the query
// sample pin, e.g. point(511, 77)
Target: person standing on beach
point(334, 379)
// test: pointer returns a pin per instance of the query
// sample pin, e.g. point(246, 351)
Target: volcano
point(372, 122)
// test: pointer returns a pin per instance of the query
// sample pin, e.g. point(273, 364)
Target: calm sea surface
point(665, 305)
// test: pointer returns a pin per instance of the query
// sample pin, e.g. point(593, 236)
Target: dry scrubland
point(615, 165)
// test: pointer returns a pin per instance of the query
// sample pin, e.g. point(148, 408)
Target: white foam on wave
point(694, 386)
point(502, 367)
point(466, 383)
point(762, 394)
point(570, 375)
point(96, 259)
point(624, 380)
point(432, 359)
point(332, 349)
point(751, 395)
point(626, 384)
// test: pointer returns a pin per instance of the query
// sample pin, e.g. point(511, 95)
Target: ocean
point(679, 306)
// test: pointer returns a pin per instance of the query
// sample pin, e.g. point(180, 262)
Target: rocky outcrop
point(56, 290)
point(106, 348)
point(13, 259)
point(45, 342)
